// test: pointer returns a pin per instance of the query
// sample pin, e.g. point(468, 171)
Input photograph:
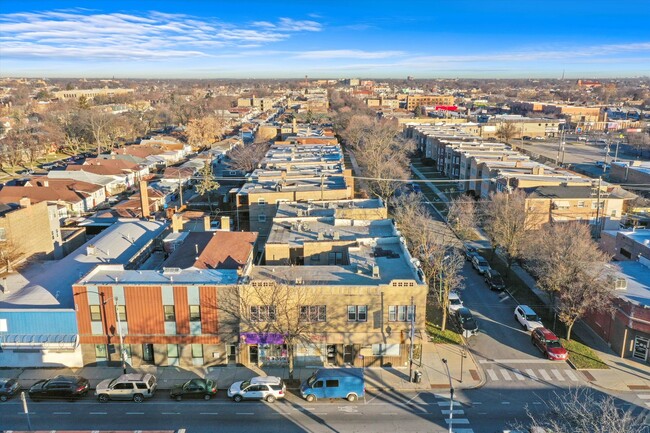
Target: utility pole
point(119, 330)
point(322, 185)
point(597, 224)
point(180, 189)
point(412, 335)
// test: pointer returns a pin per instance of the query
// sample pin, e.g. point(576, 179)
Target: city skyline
point(466, 39)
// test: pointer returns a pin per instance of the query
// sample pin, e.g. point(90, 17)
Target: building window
point(95, 313)
point(614, 213)
point(121, 311)
point(261, 218)
point(197, 351)
point(170, 313)
point(147, 352)
point(400, 313)
point(100, 351)
point(335, 258)
point(195, 313)
point(581, 203)
point(357, 313)
point(263, 313)
point(172, 351)
point(3, 234)
point(261, 201)
point(313, 313)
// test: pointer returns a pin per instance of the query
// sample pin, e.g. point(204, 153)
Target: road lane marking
point(381, 392)
point(463, 430)
point(61, 413)
point(170, 413)
point(531, 374)
point(493, 375)
point(518, 374)
point(504, 299)
point(457, 421)
point(514, 361)
point(411, 399)
point(557, 375)
point(537, 402)
point(571, 376)
point(209, 413)
point(135, 413)
point(455, 411)
point(97, 413)
point(505, 374)
point(545, 375)
point(505, 402)
point(244, 413)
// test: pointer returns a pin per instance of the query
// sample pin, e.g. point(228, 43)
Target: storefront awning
point(42, 341)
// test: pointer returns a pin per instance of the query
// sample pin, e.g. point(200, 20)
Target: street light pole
point(451, 396)
point(119, 330)
point(411, 334)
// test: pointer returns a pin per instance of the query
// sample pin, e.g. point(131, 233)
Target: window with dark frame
point(170, 313)
point(401, 313)
point(313, 313)
point(195, 313)
point(262, 313)
point(357, 313)
point(147, 352)
point(95, 313)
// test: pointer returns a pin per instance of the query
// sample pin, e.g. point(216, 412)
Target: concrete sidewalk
point(434, 373)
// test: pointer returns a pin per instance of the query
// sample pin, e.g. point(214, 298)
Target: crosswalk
point(540, 375)
point(458, 421)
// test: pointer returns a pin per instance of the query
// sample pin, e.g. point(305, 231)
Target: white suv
point(268, 388)
point(454, 302)
point(134, 386)
point(527, 317)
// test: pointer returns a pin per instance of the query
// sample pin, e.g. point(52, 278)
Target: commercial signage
point(261, 338)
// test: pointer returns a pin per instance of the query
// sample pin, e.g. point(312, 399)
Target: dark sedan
point(8, 388)
point(195, 388)
point(494, 281)
point(60, 387)
point(465, 322)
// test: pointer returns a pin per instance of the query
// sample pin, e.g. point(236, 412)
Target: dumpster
point(417, 376)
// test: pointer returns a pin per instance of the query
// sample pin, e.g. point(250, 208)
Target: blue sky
point(290, 39)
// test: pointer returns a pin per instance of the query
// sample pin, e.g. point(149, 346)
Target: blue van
point(347, 383)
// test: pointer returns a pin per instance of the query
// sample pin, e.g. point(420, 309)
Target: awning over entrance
point(42, 341)
point(261, 338)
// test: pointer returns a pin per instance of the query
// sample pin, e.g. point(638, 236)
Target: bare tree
point(278, 308)
point(207, 184)
point(100, 124)
point(570, 268)
point(463, 216)
point(582, 411)
point(506, 131)
point(246, 157)
point(507, 222)
point(10, 251)
point(204, 130)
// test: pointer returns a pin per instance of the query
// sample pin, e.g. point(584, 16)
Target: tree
point(99, 125)
point(570, 268)
point(277, 308)
point(507, 222)
point(10, 251)
point(420, 111)
point(207, 184)
point(434, 245)
point(246, 157)
point(463, 215)
point(204, 130)
point(582, 411)
point(506, 131)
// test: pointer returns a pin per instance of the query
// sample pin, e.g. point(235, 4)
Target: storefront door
point(348, 354)
point(252, 354)
point(232, 353)
point(641, 348)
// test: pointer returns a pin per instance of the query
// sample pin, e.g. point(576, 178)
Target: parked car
point(494, 280)
point(347, 383)
point(60, 387)
point(465, 322)
point(268, 388)
point(526, 138)
point(8, 388)
point(527, 317)
point(195, 388)
point(470, 252)
point(132, 386)
point(454, 302)
point(549, 344)
point(480, 264)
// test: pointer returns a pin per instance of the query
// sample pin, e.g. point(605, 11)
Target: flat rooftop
point(113, 274)
point(388, 255)
point(309, 230)
point(637, 276)
point(48, 284)
point(323, 208)
point(308, 183)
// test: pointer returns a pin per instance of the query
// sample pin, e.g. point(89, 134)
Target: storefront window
point(273, 354)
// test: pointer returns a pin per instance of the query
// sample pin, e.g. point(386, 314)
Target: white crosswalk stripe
point(570, 375)
point(463, 430)
point(518, 374)
point(505, 374)
point(531, 374)
point(545, 375)
point(457, 421)
point(557, 375)
point(644, 396)
point(493, 375)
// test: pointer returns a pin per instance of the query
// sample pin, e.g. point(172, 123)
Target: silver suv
point(134, 386)
point(258, 388)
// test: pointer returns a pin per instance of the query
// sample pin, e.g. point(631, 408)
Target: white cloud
point(348, 54)
point(152, 35)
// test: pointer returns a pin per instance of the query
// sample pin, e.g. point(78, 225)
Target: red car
point(549, 344)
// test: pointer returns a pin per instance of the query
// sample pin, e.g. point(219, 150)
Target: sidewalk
point(434, 373)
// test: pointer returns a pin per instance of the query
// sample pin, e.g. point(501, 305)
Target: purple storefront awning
point(264, 338)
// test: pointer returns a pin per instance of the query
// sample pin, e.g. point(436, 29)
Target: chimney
point(144, 199)
point(206, 223)
point(519, 164)
point(177, 223)
point(46, 183)
point(538, 169)
point(25, 202)
point(225, 223)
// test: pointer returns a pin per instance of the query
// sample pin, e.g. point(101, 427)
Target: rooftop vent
point(171, 271)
